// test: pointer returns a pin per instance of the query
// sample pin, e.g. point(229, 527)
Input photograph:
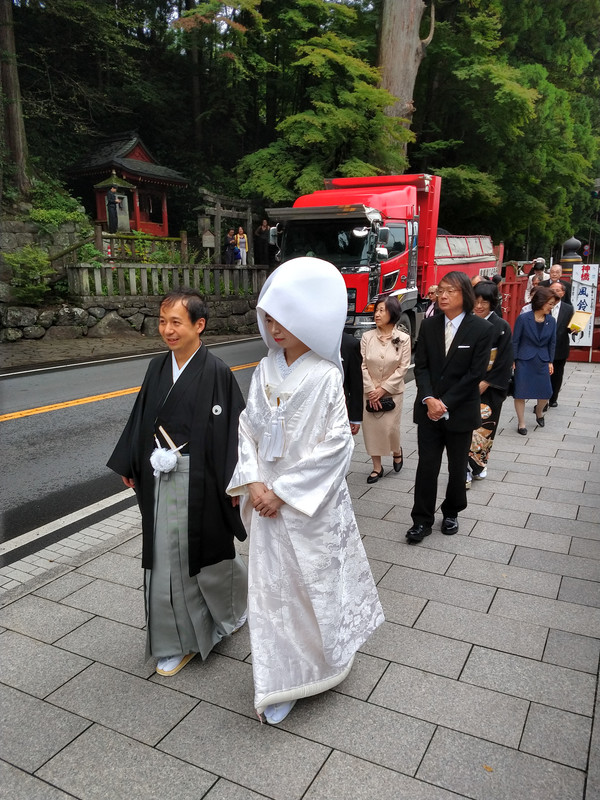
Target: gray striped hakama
point(187, 614)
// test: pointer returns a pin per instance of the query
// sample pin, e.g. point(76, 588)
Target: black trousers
point(432, 439)
point(556, 378)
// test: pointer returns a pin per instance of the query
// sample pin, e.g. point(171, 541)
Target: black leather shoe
point(450, 526)
point(553, 404)
point(522, 431)
point(398, 462)
point(540, 421)
point(417, 533)
point(374, 476)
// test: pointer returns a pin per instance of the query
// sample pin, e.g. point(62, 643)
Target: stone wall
point(99, 317)
point(16, 233)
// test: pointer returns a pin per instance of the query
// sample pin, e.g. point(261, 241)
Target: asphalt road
point(54, 462)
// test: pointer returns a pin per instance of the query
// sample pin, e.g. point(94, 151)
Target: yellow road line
point(29, 412)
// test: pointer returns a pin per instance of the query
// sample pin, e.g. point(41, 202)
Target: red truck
point(382, 234)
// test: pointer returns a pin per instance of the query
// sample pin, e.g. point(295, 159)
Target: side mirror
point(382, 252)
point(383, 236)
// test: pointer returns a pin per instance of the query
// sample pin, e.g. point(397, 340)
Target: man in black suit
point(353, 382)
point(451, 359)
point(556, 275)
point(562, 313)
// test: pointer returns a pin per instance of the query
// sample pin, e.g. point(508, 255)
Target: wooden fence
point(155, 280)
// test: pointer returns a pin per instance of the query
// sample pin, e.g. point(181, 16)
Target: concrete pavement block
point(494, 484)
point(430, 586)
point(549, 613)
point(441, 701)
point(370, 508)
point(401, 608)
point(41, 619)
point(131, 548)
point(481, 770)
point(418, 649)
point(506, 516)
point(378, 568)
point(586, 548)
point(225, 790)
point(588, 515)
point(573, 651)
point(505, 576)
point(35, 667)
point(123, 703)
point(364, 675)
point(463, 544)
point(344, 777)
point(560, 563)
point(361, 729)
point(408, 555)
point(103, 764)
point(382, 529)
point(62, 587)
point(235, 646)
point(119, 603)
point(561, 510)
point(537, 681)
point(116, 568)
point(489, 630)
point(265, 759)
point(222, 681)
point(112, 643)
point(574, 590)
point(557, 735)
point(18, 784)
point(570, 496)
point(510, 534)
point(33, 731)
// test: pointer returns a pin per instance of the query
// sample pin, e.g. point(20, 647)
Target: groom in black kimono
point(189, 404)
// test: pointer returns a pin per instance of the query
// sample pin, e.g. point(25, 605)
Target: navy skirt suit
point(534, 344)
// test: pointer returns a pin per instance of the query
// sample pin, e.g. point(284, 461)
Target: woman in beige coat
point(386, 359)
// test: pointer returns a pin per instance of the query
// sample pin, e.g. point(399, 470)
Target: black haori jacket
point(201, 408)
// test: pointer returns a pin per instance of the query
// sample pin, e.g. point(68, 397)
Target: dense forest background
point(265, 98)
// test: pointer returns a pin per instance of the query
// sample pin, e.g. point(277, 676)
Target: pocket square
point(464, 346)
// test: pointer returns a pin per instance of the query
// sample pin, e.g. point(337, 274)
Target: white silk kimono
point(312, 600)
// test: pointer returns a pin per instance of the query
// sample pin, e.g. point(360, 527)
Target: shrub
point(31, 270)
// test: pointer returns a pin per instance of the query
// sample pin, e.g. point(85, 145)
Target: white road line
point(76, 516)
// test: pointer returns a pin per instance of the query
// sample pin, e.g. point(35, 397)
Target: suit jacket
point(353, 382)
point(566, 284)
point(453, 378)
point(530, 341)
point(563, 345)
point(500, 369)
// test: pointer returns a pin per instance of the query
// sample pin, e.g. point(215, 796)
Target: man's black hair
point(195, 304)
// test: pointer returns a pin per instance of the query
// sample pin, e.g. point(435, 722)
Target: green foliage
point(89, 254)
point(31, 271)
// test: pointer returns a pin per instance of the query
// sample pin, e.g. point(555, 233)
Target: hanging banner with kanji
point(583, 296)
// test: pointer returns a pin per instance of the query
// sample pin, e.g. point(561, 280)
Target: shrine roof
point(113, 153)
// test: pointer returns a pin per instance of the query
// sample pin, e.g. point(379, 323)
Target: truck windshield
point(343, 242)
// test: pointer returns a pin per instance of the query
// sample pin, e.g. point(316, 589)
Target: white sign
point(583, 295)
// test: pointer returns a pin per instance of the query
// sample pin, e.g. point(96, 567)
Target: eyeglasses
point(450, 292)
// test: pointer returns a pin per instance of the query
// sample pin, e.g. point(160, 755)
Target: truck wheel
point(405, 320)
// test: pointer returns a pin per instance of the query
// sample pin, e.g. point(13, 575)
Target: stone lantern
point(570, 256)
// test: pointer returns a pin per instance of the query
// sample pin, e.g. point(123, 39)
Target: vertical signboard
point(583, 296)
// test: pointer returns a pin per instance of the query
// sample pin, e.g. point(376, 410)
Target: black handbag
point(387, 404)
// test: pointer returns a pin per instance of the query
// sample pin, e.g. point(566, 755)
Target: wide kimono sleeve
point(308, 482)
point(247, 469)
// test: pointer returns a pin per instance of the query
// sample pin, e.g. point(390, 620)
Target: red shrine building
point(142, 184)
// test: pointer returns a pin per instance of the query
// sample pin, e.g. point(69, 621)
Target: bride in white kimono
point(312, 599)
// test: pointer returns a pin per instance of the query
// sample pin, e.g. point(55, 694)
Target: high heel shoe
point(398, 464)
point(374, 476)
point(522, 431)
point(540, 421)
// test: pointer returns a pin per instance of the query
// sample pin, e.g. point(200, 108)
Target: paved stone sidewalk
point(481, 683)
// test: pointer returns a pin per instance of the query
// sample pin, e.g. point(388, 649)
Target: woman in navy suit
point(534, 343)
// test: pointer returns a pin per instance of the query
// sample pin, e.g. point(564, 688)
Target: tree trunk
point(401, 51)
point(14, 127)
